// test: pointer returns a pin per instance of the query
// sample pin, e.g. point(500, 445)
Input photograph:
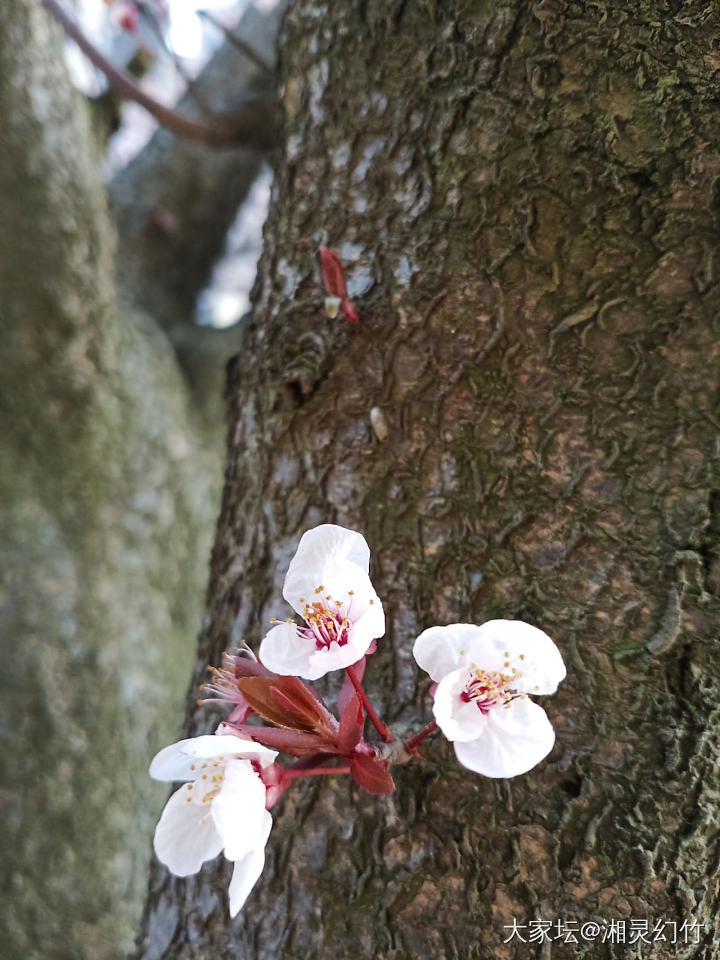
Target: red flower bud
point(334, 280)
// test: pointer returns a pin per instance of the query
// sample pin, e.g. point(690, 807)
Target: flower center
point(325, 626)
point(488, 689)
point(326, 622)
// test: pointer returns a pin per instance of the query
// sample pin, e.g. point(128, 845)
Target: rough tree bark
point(527, 194)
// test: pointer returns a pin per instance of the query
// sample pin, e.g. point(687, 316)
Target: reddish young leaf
point(333, 274)
point(352, 722)
point(308, 706)
point(294, 742)
point(251, 668)
point(334, 280)
point(371, 775)
point(349, 312)
point(287, 702)
point(315, 721)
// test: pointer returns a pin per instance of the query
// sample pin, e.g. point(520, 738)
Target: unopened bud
point(332, 306)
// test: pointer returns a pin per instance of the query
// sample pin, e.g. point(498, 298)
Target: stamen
point(223, 687)
point(488, 689)
point(325, 623)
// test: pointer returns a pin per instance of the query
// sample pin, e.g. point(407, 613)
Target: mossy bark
point(526, 198)
point(108, 491)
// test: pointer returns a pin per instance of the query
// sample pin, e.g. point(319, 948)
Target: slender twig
point(293, 774)
point(384, 732)
point(152, 21)
point(242, 45)
point(217, 132)
point(414, 742)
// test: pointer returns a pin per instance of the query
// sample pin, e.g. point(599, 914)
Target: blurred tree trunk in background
point(110, 472)
point(526, 195)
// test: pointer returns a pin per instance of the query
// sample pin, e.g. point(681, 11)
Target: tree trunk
point(109, 485)
point(526, 197)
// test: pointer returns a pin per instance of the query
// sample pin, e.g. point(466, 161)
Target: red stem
point(384, 732)
point(414, 742)
point(293, 774)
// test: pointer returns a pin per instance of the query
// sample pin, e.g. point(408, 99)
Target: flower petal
point(179, 760)
point(186, 835)
point(331, 658)
point(349, 594)
point(286, 651)
point(246, 872)
point(522, 646)
point(247, 748)
point(439, 650)
point(362, 634)
point(515, 738)
point(456, 719)
point(368, 626)
point(328, 541)
point(239, 809)
point(173, 763)
point(316, 567)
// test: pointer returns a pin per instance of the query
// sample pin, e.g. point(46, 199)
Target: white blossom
point(484, 675)
point(220, 808)
point(328, 585)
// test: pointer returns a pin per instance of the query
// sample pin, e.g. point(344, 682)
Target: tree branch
point(250, 126)
point(173, 204)
point(149, 16)
point(238, 42)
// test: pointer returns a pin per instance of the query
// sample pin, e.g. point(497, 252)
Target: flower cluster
point(483, 677)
